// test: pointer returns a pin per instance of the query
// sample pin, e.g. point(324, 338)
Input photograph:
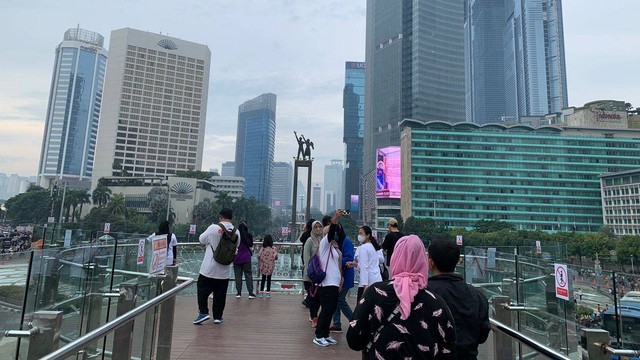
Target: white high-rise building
point(71, 127)
point(154, 106)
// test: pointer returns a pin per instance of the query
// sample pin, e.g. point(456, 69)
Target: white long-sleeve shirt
point(368, 264)
point(210, 239)
point(333, 266)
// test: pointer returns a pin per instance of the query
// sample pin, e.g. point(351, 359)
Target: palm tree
point(118, 206)
point(101, 195)
point(83, 198)
point(224, 200)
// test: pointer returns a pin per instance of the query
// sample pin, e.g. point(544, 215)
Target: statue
point(307, 150)
point(301, 141)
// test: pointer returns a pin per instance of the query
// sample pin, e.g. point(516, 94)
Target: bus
point(629, 313)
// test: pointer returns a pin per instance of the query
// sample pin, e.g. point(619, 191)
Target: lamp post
point(435, 214)
point(632, 271)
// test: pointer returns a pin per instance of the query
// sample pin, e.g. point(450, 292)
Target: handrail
point(544, 350)
point(606, 349)
point(80, 343)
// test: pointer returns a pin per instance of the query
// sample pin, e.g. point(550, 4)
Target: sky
point(293, 48)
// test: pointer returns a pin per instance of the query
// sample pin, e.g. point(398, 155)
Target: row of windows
point(164, 54)
point(623, 191)
point(622, 202)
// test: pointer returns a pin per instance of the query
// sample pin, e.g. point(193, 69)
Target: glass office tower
point(353, 105)
point(75, 98)
point(255, 146)
point(534, 178)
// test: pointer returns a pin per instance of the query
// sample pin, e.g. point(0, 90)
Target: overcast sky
point(293, 48)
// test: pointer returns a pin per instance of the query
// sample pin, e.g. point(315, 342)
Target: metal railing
point(542, 349)
point(81, 343)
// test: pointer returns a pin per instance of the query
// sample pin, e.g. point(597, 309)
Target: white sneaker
point(320, 342)
point(330, 340)
point(218, 321)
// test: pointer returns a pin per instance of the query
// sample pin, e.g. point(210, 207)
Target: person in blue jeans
point(348, 274)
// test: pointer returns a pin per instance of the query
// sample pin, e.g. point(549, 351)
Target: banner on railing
point(562, 281)
point(141, 251)
point(159, 254)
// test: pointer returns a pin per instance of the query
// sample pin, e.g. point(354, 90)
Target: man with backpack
point(221, 243)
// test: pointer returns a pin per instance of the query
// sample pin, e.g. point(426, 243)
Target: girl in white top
point(172, 242)
point(367, 260)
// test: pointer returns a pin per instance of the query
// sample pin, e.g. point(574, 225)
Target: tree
point(195, 174)
point(101, 195)
point(224, 200)
point(32, 206)
point(117, 206)
point(628, 106)
point(490, 226)
point(158, 203)
point(83, 198)
point(204, 213)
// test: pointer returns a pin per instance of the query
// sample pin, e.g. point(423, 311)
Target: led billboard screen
point(355, 203)
point(388, 172)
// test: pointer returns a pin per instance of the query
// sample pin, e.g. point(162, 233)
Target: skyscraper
point(316, 197)
point(75, 97)
point(281, 184)
point(515, 59)
point(154, 107)
point(415, 68)
point(255, 146)
point(353, 105)
point(333, 194)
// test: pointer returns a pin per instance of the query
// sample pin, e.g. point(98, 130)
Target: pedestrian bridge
point(97, 300)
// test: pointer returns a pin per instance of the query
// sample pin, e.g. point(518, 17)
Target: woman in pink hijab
point(399, 318)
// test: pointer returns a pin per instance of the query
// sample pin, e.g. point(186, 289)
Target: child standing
point(266, 259)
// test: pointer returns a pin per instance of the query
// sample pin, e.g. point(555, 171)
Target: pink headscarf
point(410, 270)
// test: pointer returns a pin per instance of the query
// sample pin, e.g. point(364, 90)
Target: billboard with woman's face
point(388, 172)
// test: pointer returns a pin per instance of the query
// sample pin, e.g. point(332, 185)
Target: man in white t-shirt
point(214, 277)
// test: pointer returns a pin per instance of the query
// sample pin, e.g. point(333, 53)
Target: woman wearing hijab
point(311, 247)
point(400, 319)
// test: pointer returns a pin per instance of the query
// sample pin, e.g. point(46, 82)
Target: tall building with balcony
point(545, 178)
point(154, 106)
point(255, 146)
point(353, 105)
point(75, 100)
point(515, 59)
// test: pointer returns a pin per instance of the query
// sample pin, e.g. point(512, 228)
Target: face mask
point(361, 239)
point(317, 232)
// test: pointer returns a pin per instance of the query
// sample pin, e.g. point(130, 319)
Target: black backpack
point(227, 248)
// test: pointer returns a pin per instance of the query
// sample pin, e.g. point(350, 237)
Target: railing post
point(94, 284)
point(123, 336)
point(46, 339)
point(593, 336)
point(167, 310)
point(502, 343)
point(50, 271)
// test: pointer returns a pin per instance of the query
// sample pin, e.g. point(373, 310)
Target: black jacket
point(470, 310)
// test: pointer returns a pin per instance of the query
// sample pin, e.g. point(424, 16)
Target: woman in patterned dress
point(400, 319)
point(267, 258)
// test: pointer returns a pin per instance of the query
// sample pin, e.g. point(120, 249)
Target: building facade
point(353, 137)
point(621, 201)
point(316, 197)
point(154, 106)
point(333, 185)
point(75, 98)
point(534, 178)
point(282, 184)
point(255, 145)
point(228, 168)
point(232, 185)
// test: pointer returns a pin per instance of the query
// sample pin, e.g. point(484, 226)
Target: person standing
point(348, 274)
point(214, 277)
point(266, 263)
point(469, 307)
point(401, 319)
point(389, 243)
point(242, 261)
point(367, 260)
point(311, 246)
point(329, 256)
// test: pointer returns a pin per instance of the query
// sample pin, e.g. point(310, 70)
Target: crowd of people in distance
point(401, 311)
point(15, 240)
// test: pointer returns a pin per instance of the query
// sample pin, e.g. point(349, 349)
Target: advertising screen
point(355, 203)
point(388, 172)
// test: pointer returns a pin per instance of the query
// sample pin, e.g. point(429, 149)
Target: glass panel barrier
point(13, 275)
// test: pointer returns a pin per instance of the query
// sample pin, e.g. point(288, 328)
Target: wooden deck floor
point(275, 328)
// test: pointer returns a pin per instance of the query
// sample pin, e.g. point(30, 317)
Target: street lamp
point(632, 271)
point(435, 214)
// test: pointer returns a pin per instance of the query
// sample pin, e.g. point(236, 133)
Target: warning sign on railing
point(562, 281)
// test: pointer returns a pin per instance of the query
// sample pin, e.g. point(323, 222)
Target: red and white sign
point(562, 281)
point(192, 229)
point(538, 247)
point(141, 251)
point(284, 231)
point(107, 228)
point(459, 240)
